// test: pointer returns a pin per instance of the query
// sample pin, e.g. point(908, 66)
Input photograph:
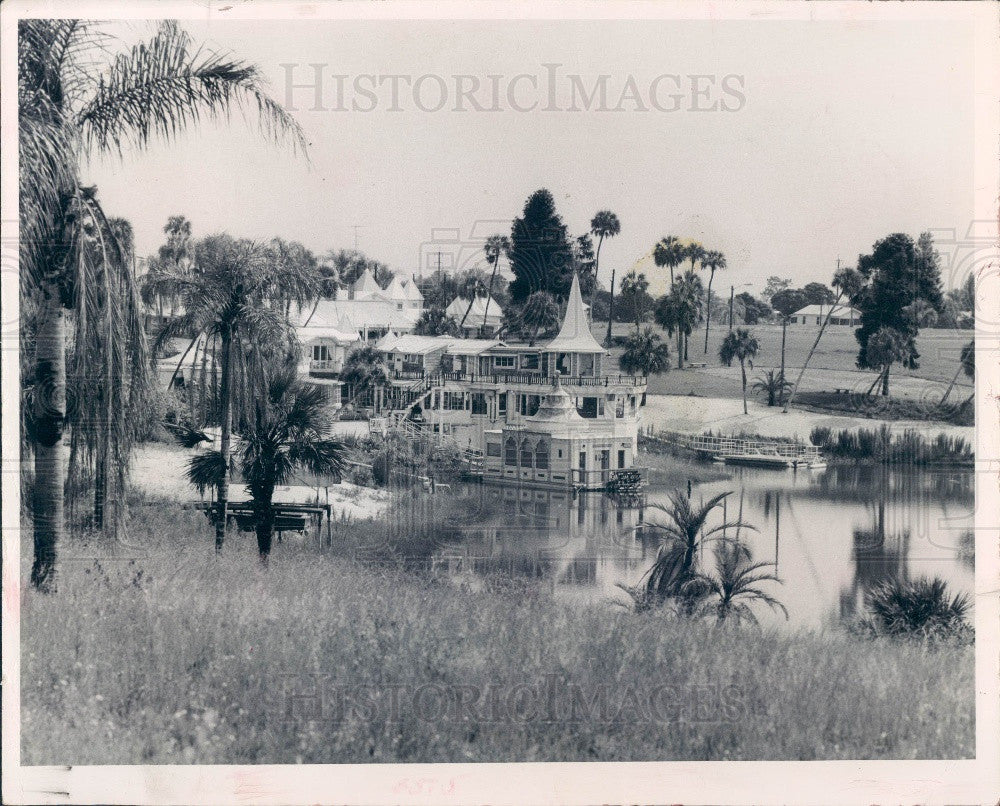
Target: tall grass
point(909, 447)
point(165, 653)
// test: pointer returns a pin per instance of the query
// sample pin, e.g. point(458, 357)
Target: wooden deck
point(761, 452)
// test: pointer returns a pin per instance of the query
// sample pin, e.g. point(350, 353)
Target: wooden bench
point(282, 523)
point(697, 364)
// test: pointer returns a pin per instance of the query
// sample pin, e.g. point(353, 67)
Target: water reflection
point(832, 535)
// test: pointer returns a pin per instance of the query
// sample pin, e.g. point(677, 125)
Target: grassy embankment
point(166, 654)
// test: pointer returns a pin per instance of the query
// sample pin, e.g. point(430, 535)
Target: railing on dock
point(737, 446)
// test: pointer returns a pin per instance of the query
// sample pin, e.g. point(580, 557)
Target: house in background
point(482, 316)
point(813, 315)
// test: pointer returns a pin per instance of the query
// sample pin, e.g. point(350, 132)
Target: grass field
point(832, 366)
point(166, 654)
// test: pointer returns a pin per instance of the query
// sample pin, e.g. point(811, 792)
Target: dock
point(758, 452)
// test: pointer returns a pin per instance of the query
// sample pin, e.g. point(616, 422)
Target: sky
point(834, 135)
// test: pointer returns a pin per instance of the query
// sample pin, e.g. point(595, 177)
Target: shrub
point(917, 609)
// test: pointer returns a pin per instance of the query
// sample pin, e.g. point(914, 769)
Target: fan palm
point(236, 291)
point(713, 261)
point(496, 246)
point(848, 282)
point(285, 434)
point(66, 113)
point(364, 369)
point(684, 532)
point(734, 586)
point(966, 364)
point(605, 224)
point(634, 290)
point(669, 252)
point(678, 312)
point(741, 345)
point(645, 353)
point(773, 384)
point(885, 347)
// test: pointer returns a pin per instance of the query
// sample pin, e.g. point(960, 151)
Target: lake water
point(831, 534)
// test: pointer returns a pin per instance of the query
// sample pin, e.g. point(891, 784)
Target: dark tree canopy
point(541, 255)
point(788, 301)
point(897, 273)
point(754, 310)
point(818, 294)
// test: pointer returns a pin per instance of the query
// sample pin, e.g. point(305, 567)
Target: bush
point(917, 609)
point(909, 447)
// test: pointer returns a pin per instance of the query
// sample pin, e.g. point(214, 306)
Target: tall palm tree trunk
point(784, 328)
point(49, 448)
point(885, 381)
point(265, 523)
point(224, 439)
point(680, 349)
point(173, 377)
point(611, 310)
point(466, 316)
point(954, 380)
point(812, 350)
point(489, 292)
point(597, 268)
point(708, 313)
point(743, 372)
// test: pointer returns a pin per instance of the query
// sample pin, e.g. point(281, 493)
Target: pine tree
point(541, 254)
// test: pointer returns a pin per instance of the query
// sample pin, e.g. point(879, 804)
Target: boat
point(774, 460)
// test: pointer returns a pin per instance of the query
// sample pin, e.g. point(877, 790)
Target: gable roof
point(574, 335)
point(843, 311)
point(459, 305)
point(395, 290)
point(412, 292)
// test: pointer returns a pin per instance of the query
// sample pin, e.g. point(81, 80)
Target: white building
point(485, 314)
point(843, 315)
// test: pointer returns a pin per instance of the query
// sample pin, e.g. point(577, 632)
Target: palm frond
point(205, 470)
point(161, 87)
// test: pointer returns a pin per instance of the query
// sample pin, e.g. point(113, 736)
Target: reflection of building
point(480, 394)
point(814, 315)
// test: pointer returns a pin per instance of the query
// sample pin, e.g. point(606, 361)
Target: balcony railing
point(326, 364)
point(536, 379)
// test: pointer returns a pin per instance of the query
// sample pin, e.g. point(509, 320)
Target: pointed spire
point(574, 335)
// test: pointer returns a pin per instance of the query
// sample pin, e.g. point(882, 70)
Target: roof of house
point(396, 290)
point(821, 310)
point(472, 346)
point(365, 286)
point(477, 312)
point(556, 412)
point(417, 345)
point(412, 292)
point(574, 335)
point(351, 315)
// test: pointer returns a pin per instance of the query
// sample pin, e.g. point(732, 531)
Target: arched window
point(510, 452)
point(526, 453)
point(542, 456)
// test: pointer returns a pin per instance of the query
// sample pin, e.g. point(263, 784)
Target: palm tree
point(742, 345)
point(683, 534)
point(472, 285)
point(496, 246)
point(605, 224)
point(435, 322)
point(694, 252)
point(734, 585)
point(774, 384)
point(669, 252)
point(237, 291)
point(364, 370)
point(848, 282)
point(885, 347)
point(679, 311)
point(921, 608)
point(634, 289)
point(645, 353)
point(285, 434)
point(713, 261)
point(966, 364)
point(540, 313)
point(66, 114)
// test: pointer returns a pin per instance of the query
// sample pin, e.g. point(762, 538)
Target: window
point(620, 406)
point(502, 404)
point(478, 403)
point(454, 401)
point(542, 456)
point(492, 448)
point(529, 361)
point(621, 457)
point(505, 361)
point(510, 452)
point(534, 401)
point(320, 352)
point(526, 454)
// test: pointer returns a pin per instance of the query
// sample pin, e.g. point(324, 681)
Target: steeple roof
point(366, 286)
point(574, 335)
point(395, 290)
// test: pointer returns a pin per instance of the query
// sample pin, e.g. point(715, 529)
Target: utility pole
point(356, 228)
point(732, 293)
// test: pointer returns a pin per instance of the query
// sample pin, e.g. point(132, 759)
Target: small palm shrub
point(920, 608)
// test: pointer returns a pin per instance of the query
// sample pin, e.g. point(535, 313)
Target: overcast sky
point(836, 134)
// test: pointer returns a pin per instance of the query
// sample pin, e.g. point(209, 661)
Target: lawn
point(832, 366)
point(160, 652)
